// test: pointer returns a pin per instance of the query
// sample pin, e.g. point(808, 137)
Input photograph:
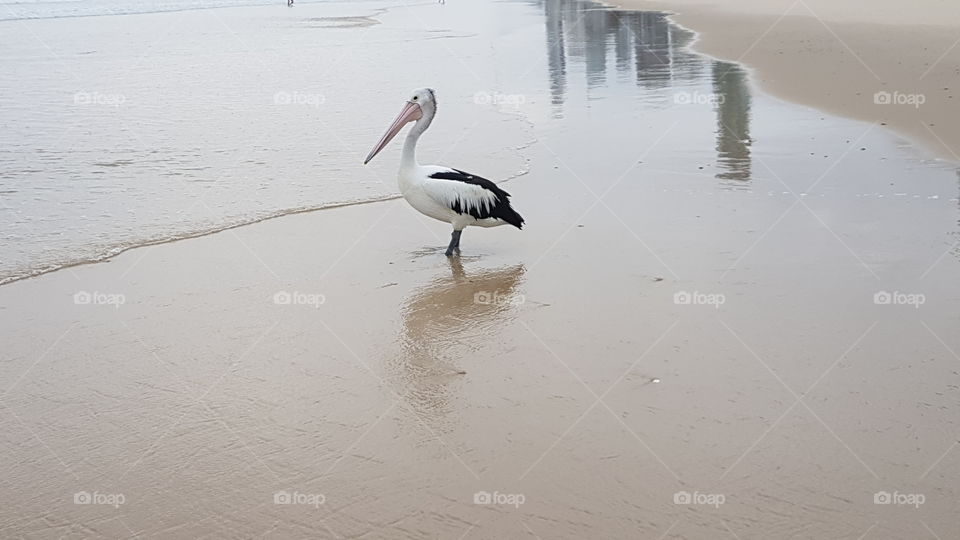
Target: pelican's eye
point(414, 98)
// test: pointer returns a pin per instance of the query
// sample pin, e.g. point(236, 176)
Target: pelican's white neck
point(409, 157)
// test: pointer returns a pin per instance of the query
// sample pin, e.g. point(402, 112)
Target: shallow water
point(199, 120)
point(48, 9)
point(125, 130)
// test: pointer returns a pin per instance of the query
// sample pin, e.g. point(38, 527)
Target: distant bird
point(451, 195)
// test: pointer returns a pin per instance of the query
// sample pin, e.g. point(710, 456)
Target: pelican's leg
point(454, 243)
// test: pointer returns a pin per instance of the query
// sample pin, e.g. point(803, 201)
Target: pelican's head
point(422, 103)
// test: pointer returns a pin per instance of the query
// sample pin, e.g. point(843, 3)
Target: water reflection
point(649, 52)
point(556, 53)
point(443, 322)
point(733, 121)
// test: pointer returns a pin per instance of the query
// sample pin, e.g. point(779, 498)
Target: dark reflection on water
point(646, 49)
point(443, 322)
point(556, 52)
point(733, 121)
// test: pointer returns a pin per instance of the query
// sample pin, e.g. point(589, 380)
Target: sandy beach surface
point(881, 61)
point(728, 315)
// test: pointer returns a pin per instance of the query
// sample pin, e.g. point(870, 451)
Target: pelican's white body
point(433, 197)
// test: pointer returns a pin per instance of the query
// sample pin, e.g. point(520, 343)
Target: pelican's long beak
point(411, 111)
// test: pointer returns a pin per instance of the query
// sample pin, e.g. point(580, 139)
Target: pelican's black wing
point(500, 209)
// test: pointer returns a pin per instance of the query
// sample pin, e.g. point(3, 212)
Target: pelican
point(451, 195)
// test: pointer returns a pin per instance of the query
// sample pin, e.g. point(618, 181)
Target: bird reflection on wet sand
point(445, 325)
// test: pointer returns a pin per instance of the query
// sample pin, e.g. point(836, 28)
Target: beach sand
point(420, 381)
point(719, 321)
point(838, 55)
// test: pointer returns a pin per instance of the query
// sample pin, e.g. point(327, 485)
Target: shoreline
point(847, 73)
point(119, 250)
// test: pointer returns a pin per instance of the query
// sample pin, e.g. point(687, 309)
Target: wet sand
point(882, 62)
point(689, 339)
